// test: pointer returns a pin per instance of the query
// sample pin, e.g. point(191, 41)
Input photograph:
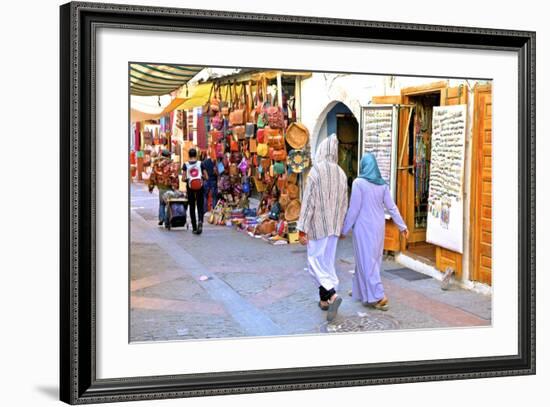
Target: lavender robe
point(366, 217)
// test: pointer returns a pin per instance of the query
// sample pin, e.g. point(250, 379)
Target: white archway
point(319, 132)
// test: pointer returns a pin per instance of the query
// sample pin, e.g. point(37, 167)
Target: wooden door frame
point(475, 182)
point(405, 205)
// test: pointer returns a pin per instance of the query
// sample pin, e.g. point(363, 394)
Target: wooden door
point(392, 237)
point(444, 257)
point(481, 196)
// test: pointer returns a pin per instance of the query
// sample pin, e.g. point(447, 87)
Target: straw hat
point(292, 211)
point(297, 135)
point(298, 160)
point(293, 191)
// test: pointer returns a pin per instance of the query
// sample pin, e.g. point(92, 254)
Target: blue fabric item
point(369, 170)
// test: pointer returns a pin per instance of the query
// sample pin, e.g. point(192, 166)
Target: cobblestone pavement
point(225, 283)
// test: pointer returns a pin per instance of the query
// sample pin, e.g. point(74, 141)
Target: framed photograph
point(256, 203)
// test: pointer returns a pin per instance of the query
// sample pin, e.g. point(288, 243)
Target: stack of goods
point(256, 148)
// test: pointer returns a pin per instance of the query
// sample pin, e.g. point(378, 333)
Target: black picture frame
point(78, 382)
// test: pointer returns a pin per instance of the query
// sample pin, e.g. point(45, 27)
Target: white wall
point(29, 251)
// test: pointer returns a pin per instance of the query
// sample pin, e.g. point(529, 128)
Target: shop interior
point(419, 145)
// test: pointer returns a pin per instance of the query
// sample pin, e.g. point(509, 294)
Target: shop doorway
point(340, 120)
point(347, 130)
point(418, 143)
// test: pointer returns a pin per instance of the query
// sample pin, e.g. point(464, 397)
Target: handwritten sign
point(377, 138)
point(445, 201)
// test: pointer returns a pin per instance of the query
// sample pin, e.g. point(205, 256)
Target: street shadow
point(50, 391)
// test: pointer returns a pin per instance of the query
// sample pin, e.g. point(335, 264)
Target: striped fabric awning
point(153, 80)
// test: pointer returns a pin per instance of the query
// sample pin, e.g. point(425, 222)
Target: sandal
point(323, 307)
point(381, 305)
point(333, 308)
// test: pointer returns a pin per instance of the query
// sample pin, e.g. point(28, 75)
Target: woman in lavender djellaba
point(369, 196)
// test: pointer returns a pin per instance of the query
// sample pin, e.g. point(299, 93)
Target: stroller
point(176, 209)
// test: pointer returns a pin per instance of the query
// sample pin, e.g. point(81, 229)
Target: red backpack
point(194, 175)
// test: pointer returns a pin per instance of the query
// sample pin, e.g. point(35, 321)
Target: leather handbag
point(216, 135)
point(225, 104)
point(262, 121)
point(279, 155)
point(215, 100)
point(267, 227)
point(262, 149)
point(284, 200)
point(260, 135)
point(275, 117)
point(237, 116)
point(239, 132)
point(217, 122)
point(236, 157)
point(279, 168)
point(276, 141)
point(275, 211)
point(252, 145)
point(281, 183)
point(270, 132)
point(220, 149)
point(250, 130)
point(265, 163)
point(234, 145)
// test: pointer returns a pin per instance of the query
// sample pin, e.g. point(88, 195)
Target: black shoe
point(199, 229)
point(160, 222)
point(195, 230)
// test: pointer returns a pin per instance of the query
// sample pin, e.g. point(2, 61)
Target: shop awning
point(138, 116)
point(199, 95)
point(153, 80)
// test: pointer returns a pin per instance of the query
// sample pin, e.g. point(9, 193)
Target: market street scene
point(268, 203)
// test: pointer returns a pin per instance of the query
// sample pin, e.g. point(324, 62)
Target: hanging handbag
point(250, 130)
point(262, 149)
point(276, 141)
point(279, 155)
point(239, 132)
point(266, 163)
point(284, 200)
point(275, 211)
point(220, 167)
point(260, 135)
point(234, 145)
point(236, 117)
point(225, 103)
point(236, 157)
point(216, 135)
point(275, 117)
point(214, 100)
point(217, 122)
point(279, 168)
point(252, 145)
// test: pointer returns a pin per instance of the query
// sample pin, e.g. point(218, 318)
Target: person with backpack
point(195, 175)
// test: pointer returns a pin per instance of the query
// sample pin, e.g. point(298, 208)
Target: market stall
point(260, 150)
